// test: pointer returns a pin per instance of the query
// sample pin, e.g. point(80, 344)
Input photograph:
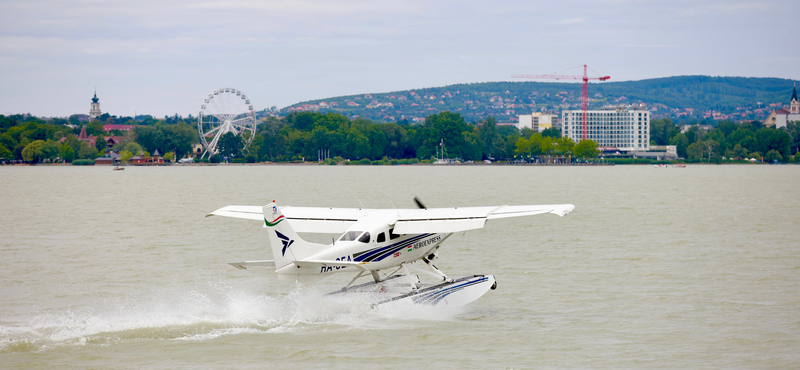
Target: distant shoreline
point(504, 164)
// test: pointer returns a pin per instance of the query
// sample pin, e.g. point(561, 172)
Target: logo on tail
point(285, 240)
point(274, 222)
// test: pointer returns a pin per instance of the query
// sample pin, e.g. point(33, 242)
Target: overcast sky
point(163, 57)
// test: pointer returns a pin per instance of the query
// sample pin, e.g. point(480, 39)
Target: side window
point(381, 238)
point(364, 238)
point(392, 235)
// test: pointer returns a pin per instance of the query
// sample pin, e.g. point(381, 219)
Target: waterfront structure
point(94, 111)
point(537, 121)
point(623, 129)
point(781, 117)
point(659, 153)
point(141, 158)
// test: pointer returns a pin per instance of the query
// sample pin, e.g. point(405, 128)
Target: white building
point(781, 117)
point(537, 121)
point(625, 128)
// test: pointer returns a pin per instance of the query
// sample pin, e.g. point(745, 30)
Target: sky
point(164, 57)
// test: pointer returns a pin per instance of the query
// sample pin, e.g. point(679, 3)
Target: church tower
point(794, 107)
point(95, 112)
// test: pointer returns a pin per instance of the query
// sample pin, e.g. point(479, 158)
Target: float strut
point(436, 270)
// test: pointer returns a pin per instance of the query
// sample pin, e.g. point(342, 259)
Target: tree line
point(729, 141)
point(31, 139)
point(311, 136)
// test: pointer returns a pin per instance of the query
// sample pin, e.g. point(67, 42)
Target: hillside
point(680, 97)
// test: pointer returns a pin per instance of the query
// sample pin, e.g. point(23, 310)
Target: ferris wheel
point(225, 110)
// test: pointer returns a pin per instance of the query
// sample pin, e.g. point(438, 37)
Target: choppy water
point(656, 268)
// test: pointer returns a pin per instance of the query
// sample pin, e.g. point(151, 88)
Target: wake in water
point(207, 313)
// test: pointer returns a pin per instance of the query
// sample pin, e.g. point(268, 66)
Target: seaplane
point(377, 243)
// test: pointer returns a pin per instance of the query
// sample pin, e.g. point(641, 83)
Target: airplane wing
point(405, 221)
point(450, 220)
point(303, 219)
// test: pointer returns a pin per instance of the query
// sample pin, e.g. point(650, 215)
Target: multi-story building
point(537, 121)
point(625, 129)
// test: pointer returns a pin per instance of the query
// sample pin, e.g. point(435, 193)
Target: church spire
point(794, 92)
point(95, 112)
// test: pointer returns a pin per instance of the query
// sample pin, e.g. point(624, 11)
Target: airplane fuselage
point(374, 254)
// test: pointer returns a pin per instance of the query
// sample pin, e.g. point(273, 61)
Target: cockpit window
point(392, 235)
point(349, 236)
point(364, 238)
point(381, 238)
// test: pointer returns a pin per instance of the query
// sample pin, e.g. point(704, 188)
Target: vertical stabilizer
point(287, 246)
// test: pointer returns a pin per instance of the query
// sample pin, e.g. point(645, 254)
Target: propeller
point(419, 203)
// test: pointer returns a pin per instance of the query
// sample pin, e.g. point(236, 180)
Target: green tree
point(551, 132)
point(745, 137)
point(681, 143)
point(793, 129)
point(397, 141)
point(448, 129)
point(738, 152)
point(586, 149)
point(772, 139)
point(73, 142)
point(773, 155)
point(125, 156)
point(149, 137)
point(5, 153)
point(357, 142)
point(100, 143)
point(134, 148)
point(178, 138)
point(87, 151)
point(564, 146)
point(67, 153)
point(230, 145)
point(489, 137)
point(7, 141)
point(29, 153)
point(377, 141)
point(40, 150)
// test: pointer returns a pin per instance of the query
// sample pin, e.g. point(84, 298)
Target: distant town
point(511, 123)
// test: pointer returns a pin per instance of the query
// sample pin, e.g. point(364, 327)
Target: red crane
point(584, 98)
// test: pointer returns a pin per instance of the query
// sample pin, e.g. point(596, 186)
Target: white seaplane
point(377, 242)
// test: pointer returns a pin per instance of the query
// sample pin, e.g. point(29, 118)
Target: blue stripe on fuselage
point(398, 246)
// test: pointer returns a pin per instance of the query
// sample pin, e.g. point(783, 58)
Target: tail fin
point(287, 246)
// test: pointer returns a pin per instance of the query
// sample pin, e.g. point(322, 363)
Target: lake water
point(684, 268)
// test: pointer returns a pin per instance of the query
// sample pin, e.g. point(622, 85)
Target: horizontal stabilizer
point(246, 212)
point(245, 264)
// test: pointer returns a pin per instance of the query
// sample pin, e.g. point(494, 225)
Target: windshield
point(349, 236)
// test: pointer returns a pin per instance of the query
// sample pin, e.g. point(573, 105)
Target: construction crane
point(584, 98)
